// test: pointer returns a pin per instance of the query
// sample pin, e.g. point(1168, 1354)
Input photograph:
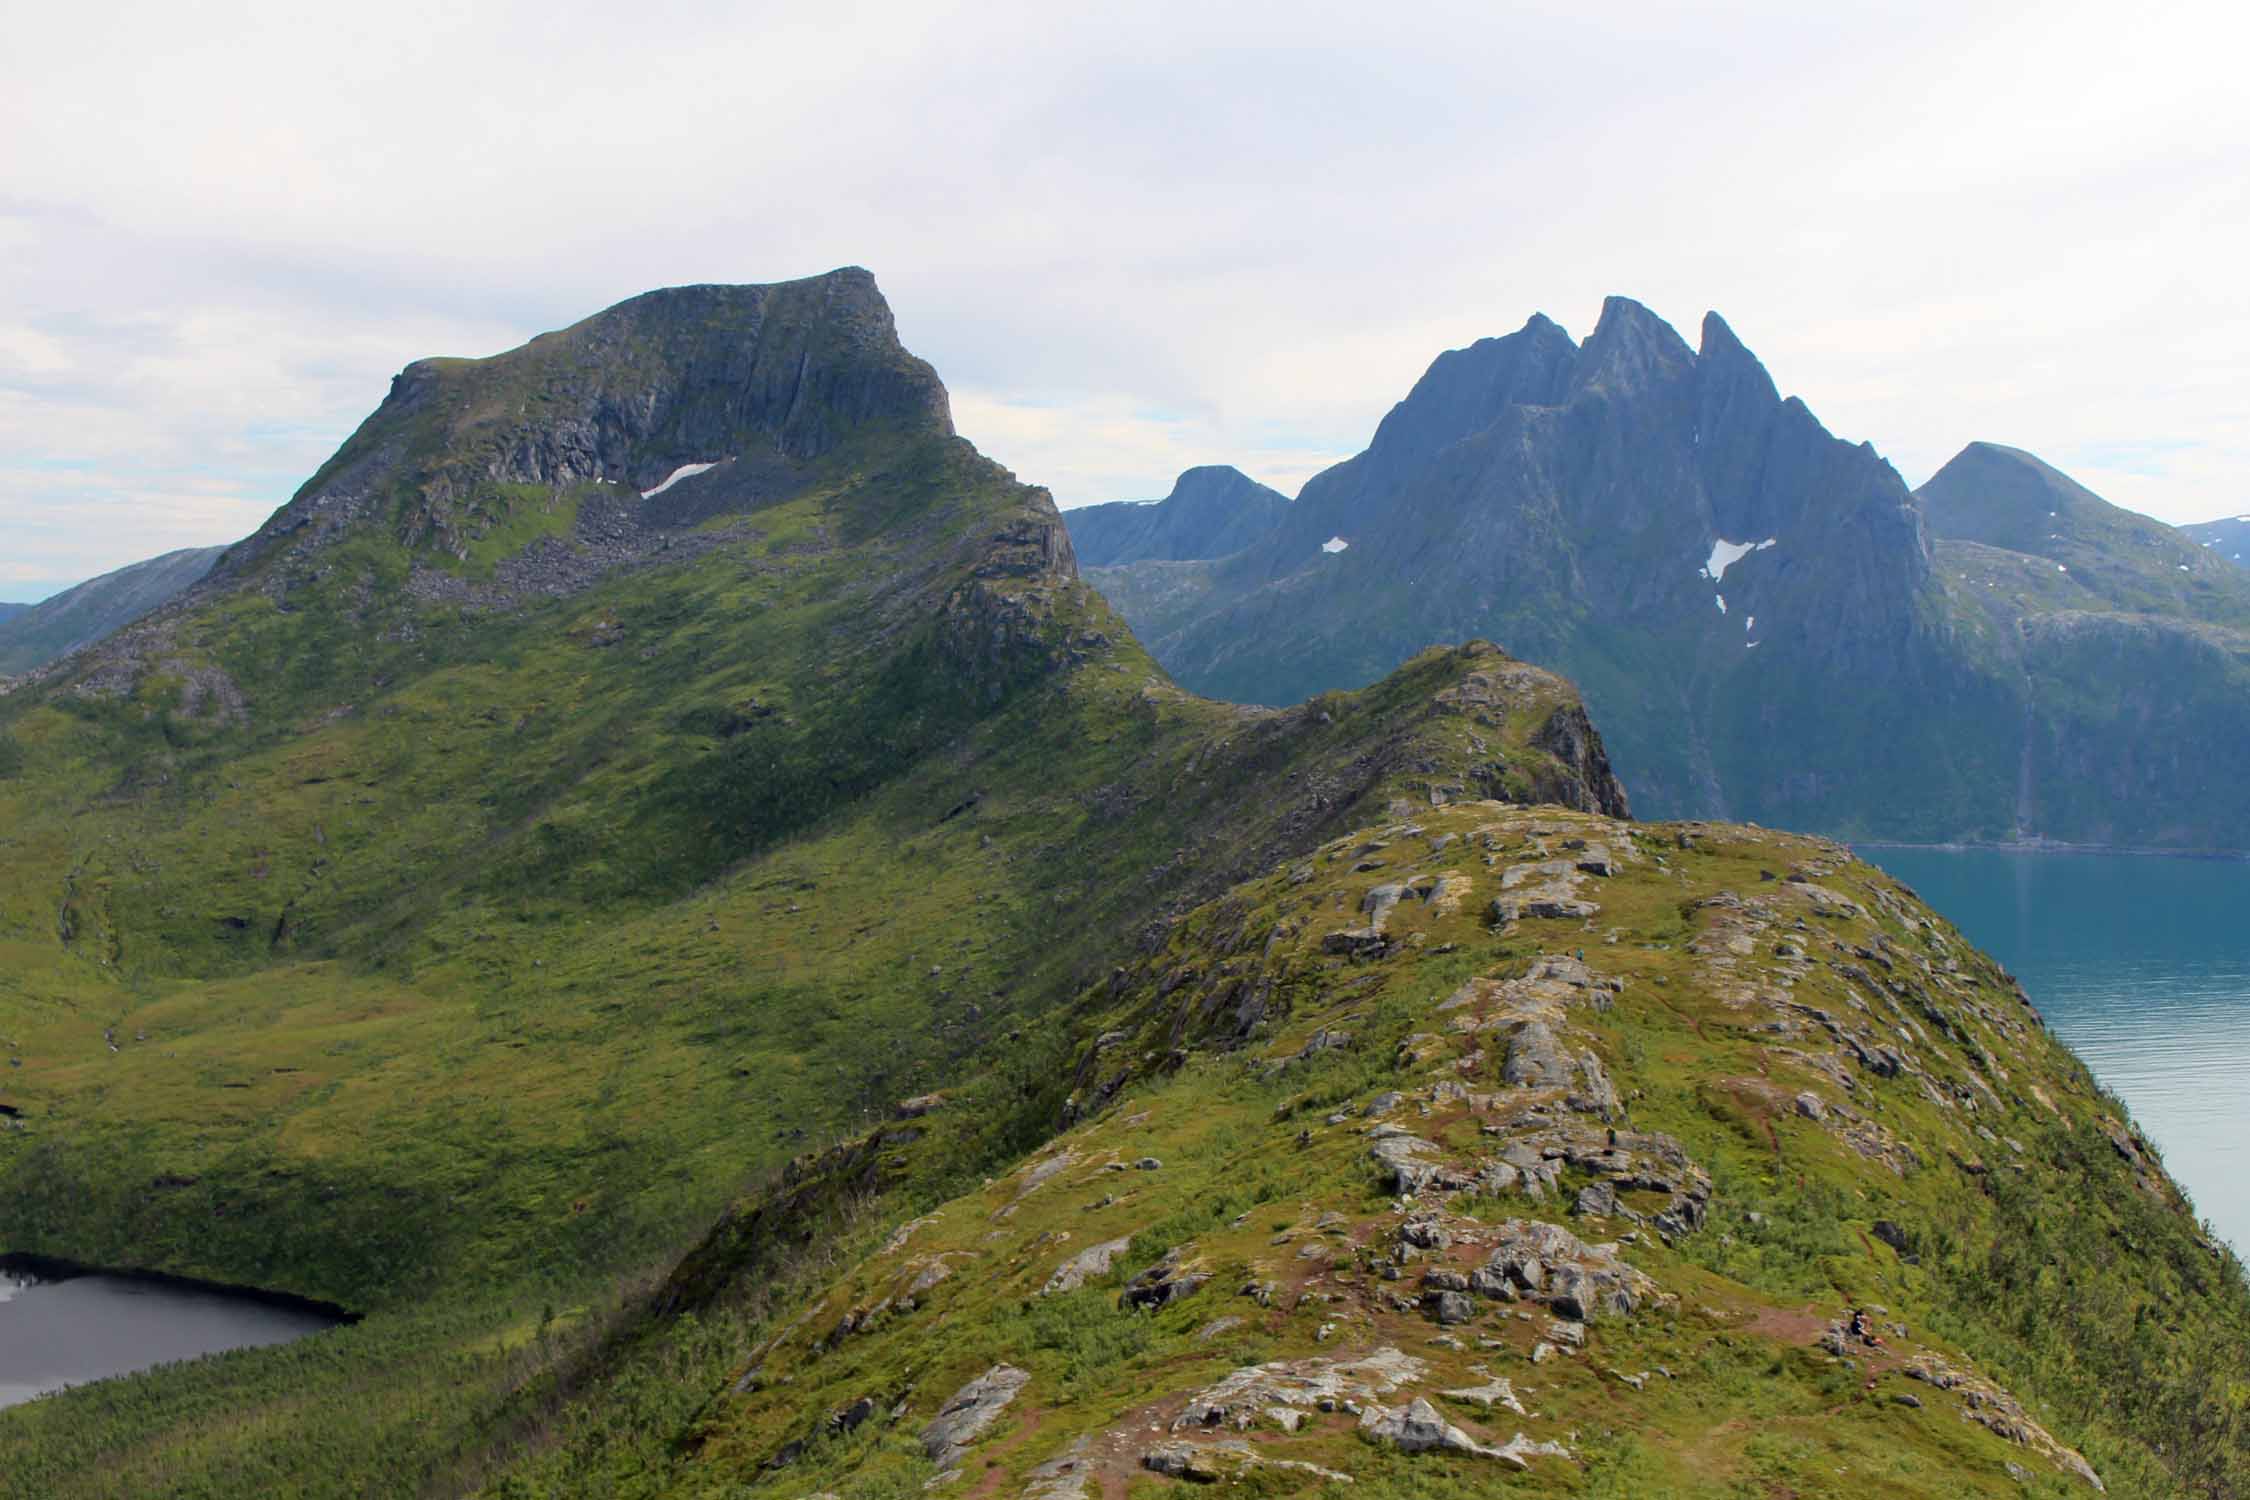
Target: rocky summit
point(1766, 622)
point(655, 884)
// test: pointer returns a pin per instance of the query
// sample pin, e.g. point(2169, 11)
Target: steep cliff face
point(1211, 512)
point(1654, 520)
point(756, 380)
point(1761, 619)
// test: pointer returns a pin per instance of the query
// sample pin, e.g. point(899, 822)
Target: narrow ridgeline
point(636, 756)
point(1494, 1151)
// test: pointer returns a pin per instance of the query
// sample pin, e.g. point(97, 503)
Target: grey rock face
point(1085, 1266)
point(1744, 598)
point(973, 1409)
point(761, 378)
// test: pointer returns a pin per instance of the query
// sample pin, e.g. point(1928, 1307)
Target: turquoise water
point(2142, 964)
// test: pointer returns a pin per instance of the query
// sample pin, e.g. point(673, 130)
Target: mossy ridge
point(2112, 1321)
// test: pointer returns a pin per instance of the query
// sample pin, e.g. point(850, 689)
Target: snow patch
point(2060, 568)
point(1722, 602)
point(1749, 624)
point(1334, 544)
point(1725, 554)
point(684, 471)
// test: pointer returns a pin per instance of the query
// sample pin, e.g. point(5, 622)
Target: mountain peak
point(766, 379)
point(1212, 511)
point(2002, 497)
point(1719, 340)
point(1630, 349)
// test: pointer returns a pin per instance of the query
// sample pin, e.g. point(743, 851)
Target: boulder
point(1085, 1266)
point(1419, 1427)
point(973, 1409)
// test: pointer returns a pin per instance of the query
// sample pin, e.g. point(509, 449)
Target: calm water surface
point(58, 1333)
point(2142, 964)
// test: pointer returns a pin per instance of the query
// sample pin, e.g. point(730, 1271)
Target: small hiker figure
point(1863, 1330)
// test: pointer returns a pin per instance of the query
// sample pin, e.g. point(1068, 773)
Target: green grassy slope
point(1775, 1085)
point(453, 954)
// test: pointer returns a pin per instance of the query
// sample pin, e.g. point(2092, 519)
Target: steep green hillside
point(2107, 557)
point(35, 634)
point(1499, 1151)
point(449, 904)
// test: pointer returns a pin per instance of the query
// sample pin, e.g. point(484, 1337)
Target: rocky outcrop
point(758, 377)
point(1418, 1427)
point(969, 1414)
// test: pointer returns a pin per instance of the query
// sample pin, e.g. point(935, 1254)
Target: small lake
point(2142, 964)
point(61, 1333)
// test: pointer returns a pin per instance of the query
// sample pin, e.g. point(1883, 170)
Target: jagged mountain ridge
point(31, 635)
point(1756, 610)
point(442, 907)
point(1212, 511)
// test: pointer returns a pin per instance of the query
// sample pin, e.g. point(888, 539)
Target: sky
point(1131, 239)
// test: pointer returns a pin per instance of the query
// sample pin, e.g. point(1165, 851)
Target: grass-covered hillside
point(449, 905)
point(1491, 1151)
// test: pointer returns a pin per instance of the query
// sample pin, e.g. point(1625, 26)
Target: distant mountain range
point(1766, 621)
point(31, 635)
point(2229, 538)
point(660, 789)
point(1211, 512)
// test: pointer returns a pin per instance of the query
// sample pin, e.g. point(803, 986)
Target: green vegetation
point(521, 920)
point(456, 957)
point(2032, 1244)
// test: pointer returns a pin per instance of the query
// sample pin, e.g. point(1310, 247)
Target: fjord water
point(2142, 964)
point(59, 1333)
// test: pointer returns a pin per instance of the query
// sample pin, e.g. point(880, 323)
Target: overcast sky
point(1131, 238)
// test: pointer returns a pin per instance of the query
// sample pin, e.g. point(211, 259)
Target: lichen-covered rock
point(972, 1410)
point(1085, 1266)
